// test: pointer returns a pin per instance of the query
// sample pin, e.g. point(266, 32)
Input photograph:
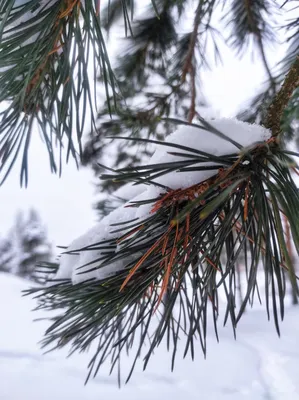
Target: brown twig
point(188, 66)
point(280, 102)
point(192, 109)
point(190, 54)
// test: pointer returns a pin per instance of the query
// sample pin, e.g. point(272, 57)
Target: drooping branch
point(67, 8)
point(257, 32)
point(43, 76)
point(280, 102)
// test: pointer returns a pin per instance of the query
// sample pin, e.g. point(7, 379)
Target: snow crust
point(129, 191)
point(77, 266)
point(243, 133)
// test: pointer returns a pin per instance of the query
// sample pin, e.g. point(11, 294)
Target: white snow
point(70, 264)
point(78, 266)
point(129, 191)
point(199, 139)
point(258, 366)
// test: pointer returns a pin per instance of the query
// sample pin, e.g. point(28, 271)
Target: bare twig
point(202, 18)
point(192, 109)
point(280, 102)
point(188, 66)
point(190, 54)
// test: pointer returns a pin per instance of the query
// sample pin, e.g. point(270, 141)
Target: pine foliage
point(158, 75)
point(257, 108)
point(156, 86)
point(44, 46)
point(177, 260)
point(188, 249)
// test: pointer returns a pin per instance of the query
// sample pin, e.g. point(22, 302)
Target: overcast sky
point(65, 203)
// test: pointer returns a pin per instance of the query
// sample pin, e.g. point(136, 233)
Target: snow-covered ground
point(258, 366)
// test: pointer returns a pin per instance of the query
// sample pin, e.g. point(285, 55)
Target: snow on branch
point(84, 259)
point(214, 196)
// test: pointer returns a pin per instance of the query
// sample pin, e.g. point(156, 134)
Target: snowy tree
point(26, 246)
point(6, 255)
point(210, 194)
point(31, 244)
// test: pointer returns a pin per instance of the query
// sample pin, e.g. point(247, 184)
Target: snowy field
point(258, 366)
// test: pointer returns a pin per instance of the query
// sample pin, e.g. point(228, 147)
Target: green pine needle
point(177, 260)
point(44, 78)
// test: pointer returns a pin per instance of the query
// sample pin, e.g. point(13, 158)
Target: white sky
point(65, 203)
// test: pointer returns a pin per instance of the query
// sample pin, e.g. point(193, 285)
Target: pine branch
point(258, 33)
point(189, 62)
point(280, 102)
point(172, 257)
point(43, 77)
point(251, 19)
point(204, 9)
point(115, 10)
point(192, 43)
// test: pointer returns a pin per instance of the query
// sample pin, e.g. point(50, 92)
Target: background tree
point(26, 246)
point(32, 243)
point(6, 255)
point(181, 253)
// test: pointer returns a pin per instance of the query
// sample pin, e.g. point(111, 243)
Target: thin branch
point(280, 102)
point(188, 62)
point(188, 66)
point(192, 109)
